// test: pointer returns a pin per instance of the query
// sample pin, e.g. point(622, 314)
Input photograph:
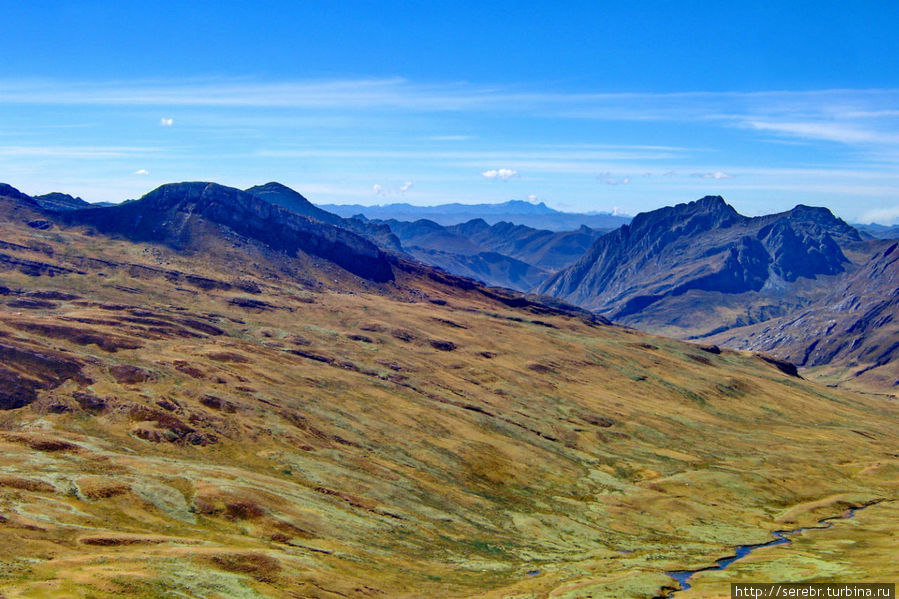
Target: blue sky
point(604, 106)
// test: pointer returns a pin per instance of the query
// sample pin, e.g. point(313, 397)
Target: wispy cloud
point(841, 132)
point(141, 171)
point(714, 175)
point(166, 122)
point(406, 186)
point(377, 189)
point(73, 151)
point(503, 174)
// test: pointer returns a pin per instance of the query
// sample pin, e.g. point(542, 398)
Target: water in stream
point(741, 551)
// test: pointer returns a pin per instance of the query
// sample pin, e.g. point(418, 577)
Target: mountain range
point(538, 215)
point(503, 254)
point(205, 394)
point(700, 270)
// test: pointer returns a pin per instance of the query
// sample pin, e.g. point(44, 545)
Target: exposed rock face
point(172, 214)
point(281, 195)
point(703, 246)
point(856, 325)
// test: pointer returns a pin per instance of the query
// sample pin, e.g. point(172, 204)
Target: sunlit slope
point(231, 424)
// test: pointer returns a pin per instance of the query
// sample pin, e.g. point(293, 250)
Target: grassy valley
point(223, 419)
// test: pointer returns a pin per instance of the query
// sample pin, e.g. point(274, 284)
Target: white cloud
point(166, 122)
point(504, 173)
point(715, 175)
point(406, 186)
point(141, 171)
point(377, 190)
point(885, 216)
point(532, 198)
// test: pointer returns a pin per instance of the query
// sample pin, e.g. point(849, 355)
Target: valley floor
point(259, 427)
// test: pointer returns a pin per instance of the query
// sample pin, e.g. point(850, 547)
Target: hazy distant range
point(539, 216)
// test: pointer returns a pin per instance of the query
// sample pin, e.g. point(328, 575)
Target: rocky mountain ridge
point(176, 214)
point(704, 246)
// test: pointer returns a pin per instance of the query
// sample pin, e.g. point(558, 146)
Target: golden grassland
point(401, 440)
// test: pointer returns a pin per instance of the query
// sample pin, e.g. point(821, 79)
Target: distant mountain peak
point(179, 215)
point(275, 187)
point(697, 247)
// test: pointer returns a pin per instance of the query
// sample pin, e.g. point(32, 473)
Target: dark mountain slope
point(180, 214)
point(855, 328)
point(16, 206)
point(503, 254)
point(490, 267)
point(688, 256)
point(879, 231)
point(548, 250)
point(281, 195)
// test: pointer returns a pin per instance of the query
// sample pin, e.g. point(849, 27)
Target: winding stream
point(741, 551)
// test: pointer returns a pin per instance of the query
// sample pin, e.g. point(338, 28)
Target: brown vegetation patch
point(243, 510)
point(26, 484)
point(597, 420)
point(442, 345)
point(258, 565)
point(450, 323)
point(116, 541)
point(95, 487)
point(189, 370)
point(30, 304)
point(228, 356)
point(251, 304)
point(203, 327)
point(700, 359)
point(130, 375)
point(361, 338)
point(217, 403)
point(51, 445)
point(106, 342)
point(247, 285)
point(311, 356)
point(52, 295)
point(89, 401)
point(403, 335)
point(174, 430)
